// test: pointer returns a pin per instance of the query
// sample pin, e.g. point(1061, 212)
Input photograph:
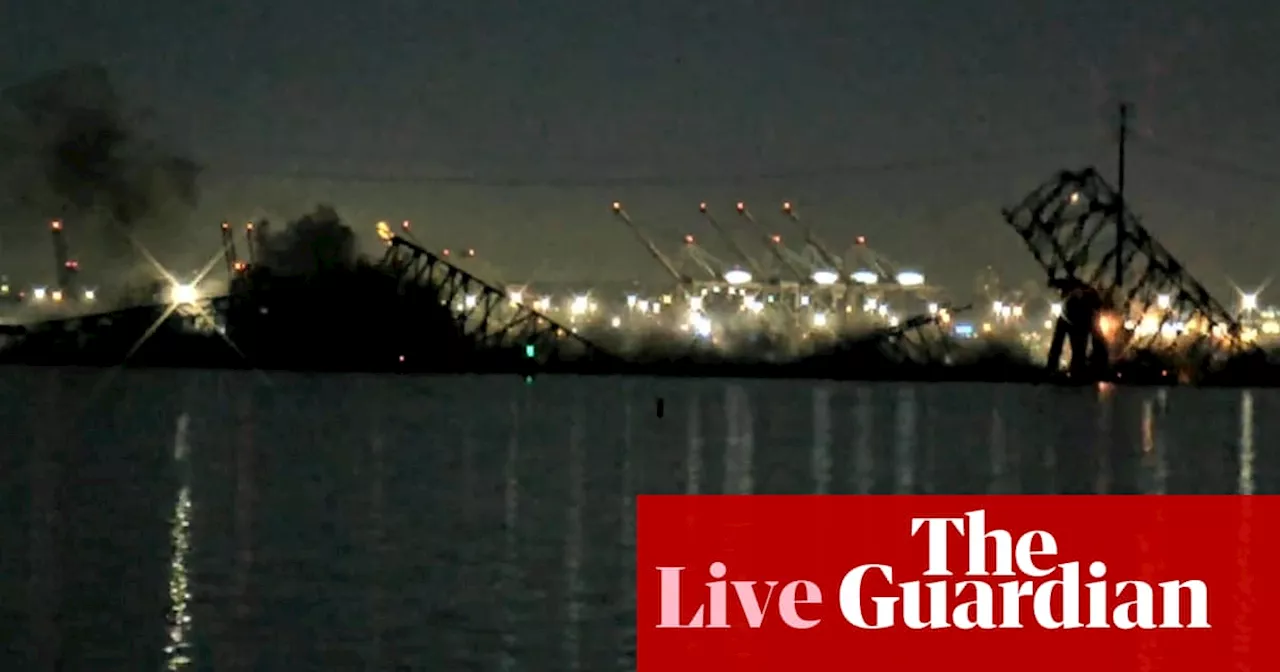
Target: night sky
point(510, 126)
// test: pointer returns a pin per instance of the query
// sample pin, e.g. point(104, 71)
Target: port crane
point(682, 280)
point(706, 261)
point(66, 268)
point(832, 262)
point(774, 244)
point(234, 265)
point(755, 267)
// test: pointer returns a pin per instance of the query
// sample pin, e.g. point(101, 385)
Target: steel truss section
point(1075, 224)
point(485, 314)
point(921, 339)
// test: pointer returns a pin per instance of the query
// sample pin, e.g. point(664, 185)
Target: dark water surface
point(238, 521)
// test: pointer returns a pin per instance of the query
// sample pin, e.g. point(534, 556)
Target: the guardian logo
point(1006, 583)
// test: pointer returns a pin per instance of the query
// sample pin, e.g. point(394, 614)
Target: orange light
point(786, 207)
point(56, 225)
point(249, 226)
point(1107, 324)
point(776, 238)
point(238, 266)
point(617, 207)
point(861, 240)
point(688, 239)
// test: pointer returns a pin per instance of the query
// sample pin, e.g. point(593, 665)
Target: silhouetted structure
point(1078, 230)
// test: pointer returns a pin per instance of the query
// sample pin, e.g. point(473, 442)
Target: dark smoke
point(312, 244)
point(75, 153)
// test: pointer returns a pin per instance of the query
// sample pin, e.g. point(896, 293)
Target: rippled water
point(237, 521)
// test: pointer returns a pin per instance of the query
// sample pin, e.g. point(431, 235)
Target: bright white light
point(997, 307)
point(1017, 311)
point(865, 277)
point(869, 306)
point(933, 309)
point(701, 325)
point(90, 295)
point(1163, 301)
point(542, 305)
point(1056, 309)
point(737, 276)
point(695, 303)
point(643, 306)
point(182, 294)
point(754, 305)
point(616, 322)
point(826, 277)
point(805, 299)
point(517, 297)
point(632, 299)
point(819, 319)
point(39, 293)
point(1248, 301)
point(470, 301)
point(910, 279)
point(579, 305)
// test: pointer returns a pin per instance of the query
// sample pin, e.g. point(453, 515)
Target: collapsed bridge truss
point(1112, 274)
point(486, 314)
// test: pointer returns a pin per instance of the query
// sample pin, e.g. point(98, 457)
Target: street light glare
point(183, 294)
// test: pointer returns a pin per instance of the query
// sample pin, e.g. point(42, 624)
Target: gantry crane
point(774, 243)
point(834, 263)
point(756, 268)
point(65, 268)
point(681, 279)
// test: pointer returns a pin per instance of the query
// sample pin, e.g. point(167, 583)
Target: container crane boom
point(657, 254)
point(774, 243)
point(752, 264)
point(812, 241)
point(229, 250)
point(703, 259)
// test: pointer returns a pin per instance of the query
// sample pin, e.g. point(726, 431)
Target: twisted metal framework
point(922, 339)
point(1075, 225)
point(483, 312)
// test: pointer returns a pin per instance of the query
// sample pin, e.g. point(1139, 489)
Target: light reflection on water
point(352, 522)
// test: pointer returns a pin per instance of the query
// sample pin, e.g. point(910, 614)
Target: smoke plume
point(314, 243)
point(75, 153)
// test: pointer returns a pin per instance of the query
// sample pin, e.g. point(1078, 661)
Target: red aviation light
point(702, 207)
point(688, 239)
point(777, 240)
point(742, 207)
point(617, 207)
point(786, 207)
point(861, 240)
point(55, 225)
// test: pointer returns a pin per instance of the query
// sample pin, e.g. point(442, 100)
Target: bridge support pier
point(1081, 325)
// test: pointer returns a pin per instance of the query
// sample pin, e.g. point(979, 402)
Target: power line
point(828, 171)
point(1208, 164)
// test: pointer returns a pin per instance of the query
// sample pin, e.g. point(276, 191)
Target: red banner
point(1067, 583)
